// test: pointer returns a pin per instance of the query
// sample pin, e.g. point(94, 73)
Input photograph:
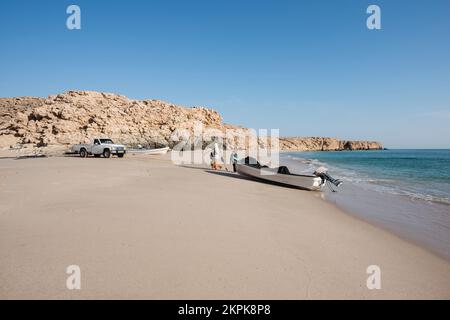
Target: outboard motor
point(322, 173)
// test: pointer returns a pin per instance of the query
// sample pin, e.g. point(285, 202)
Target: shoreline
point(420, 221)
point(369, 212)
point(166, 231)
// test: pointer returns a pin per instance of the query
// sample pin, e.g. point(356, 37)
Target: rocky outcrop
point(79, 116)
point(325, 144)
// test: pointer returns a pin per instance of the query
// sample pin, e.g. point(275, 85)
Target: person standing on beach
point(211, 156)
point(234, 159)
point(216, 158)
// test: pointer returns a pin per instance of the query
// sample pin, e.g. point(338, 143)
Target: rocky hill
point(78, 116)
point(325, 144)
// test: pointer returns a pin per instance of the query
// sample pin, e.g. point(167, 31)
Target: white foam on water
point(391, 203)
point(391, 186)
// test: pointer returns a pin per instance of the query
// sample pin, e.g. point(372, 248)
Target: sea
point(404, 191)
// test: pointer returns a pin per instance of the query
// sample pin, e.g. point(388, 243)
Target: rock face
point(326, 144)
point(79, 116)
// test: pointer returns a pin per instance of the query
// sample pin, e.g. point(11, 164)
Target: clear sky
point(309, 68)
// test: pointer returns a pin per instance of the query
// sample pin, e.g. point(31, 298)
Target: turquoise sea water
point(404, 191)
point(418, 174)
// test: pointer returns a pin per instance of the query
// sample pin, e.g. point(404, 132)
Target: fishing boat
point(157, 151)
point(281, 175)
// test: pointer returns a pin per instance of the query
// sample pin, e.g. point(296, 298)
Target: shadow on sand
point(194, 167)
point(231, 175)
point(24, 157)
point(238, 176)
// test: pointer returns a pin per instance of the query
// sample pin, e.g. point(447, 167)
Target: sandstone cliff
point(78, 116)
point(325, 144)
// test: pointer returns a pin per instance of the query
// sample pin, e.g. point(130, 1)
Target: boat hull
point(306, 182)
point(150, 151)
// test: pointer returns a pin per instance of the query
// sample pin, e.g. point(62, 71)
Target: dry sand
point(141, 227)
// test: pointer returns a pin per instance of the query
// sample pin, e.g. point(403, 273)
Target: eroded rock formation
point(79, 116)
point(326, 144)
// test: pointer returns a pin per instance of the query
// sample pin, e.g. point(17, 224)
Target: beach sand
point(141, 227)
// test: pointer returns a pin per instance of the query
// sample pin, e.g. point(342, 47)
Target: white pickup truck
point(99, 147)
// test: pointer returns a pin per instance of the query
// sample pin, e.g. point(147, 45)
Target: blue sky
point(310, 68)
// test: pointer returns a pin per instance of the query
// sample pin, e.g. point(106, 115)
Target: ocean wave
point(383, 185)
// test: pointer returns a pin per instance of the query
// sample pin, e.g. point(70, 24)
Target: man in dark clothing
point(234, 159)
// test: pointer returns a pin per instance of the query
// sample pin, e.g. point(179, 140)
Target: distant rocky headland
point(79, 116)
point(326, 144)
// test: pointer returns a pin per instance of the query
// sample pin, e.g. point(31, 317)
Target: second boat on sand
point(149, 151)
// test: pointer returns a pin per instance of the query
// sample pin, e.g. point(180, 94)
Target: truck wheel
point(83, 153)
point(120, 155)
point(106, 153)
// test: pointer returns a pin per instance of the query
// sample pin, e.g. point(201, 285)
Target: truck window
point(96, 141)
point(106, 141)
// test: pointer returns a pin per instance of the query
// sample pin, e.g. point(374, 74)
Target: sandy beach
point(141, 227)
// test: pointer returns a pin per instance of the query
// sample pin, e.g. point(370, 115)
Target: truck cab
point(100, 147)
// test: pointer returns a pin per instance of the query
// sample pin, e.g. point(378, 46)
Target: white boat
point(149, 151)
point(282, 176)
